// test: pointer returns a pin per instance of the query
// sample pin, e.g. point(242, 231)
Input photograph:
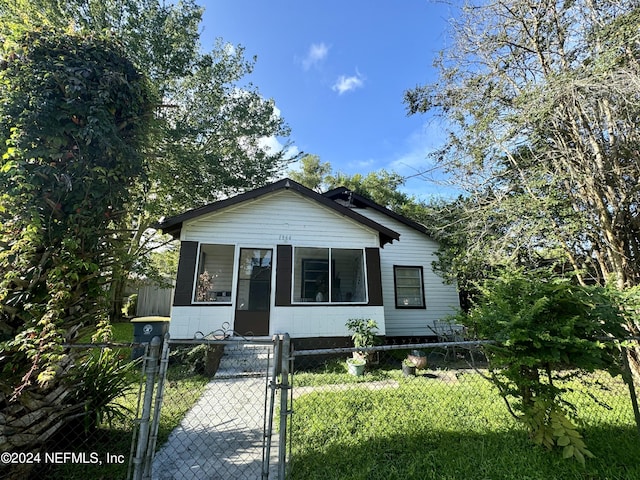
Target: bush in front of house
point(547, 330)
point(100, 382)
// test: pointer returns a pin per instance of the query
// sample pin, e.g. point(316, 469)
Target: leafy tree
point(313, 173)
point(543, 103)
point(542, 99)
point(211, 128)
point(74, 121)
point(382, 187)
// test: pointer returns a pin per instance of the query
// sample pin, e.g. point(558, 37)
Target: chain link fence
point(444, 419)
point(222, 412)
point(203, 409)
point(225, 434)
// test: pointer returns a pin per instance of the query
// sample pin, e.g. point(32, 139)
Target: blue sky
point(337, 71)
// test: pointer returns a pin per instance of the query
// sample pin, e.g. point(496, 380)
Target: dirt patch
point(299, 391)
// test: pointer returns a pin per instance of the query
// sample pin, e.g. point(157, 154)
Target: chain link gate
point(231, 430)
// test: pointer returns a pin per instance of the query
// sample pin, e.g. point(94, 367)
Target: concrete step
point(245, 359)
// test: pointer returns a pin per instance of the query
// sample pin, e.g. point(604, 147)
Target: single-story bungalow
point(283, 258)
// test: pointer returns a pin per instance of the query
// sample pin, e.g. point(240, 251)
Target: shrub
point(99, 381)
point(201, 359)
point(543, 327)
point(130, 307)
point(363, 332)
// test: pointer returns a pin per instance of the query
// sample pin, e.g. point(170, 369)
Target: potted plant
point(419, 358)
point(363, 333)
point(408, 368)
point(355, 366)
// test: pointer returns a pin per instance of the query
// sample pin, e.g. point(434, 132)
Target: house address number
point(284, 238)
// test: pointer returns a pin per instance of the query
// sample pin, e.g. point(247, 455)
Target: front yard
point(444, 424)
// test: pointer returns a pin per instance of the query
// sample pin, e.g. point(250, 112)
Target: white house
point(283, 258)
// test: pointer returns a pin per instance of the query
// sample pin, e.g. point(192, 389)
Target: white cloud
point(317, 52)
point(229, 49)
point(273, 145)
point(346, 84)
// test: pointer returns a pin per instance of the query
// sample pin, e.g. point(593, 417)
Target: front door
point(254, 292)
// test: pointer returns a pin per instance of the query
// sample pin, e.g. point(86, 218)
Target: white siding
point(413, 249)
point(186, 321)
point(284, 217)
point(298, 322)
point(302, 322)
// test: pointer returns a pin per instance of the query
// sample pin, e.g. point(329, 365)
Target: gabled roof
point(352, 198)
point(173, 225)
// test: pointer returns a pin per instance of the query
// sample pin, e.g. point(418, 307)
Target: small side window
point(409, 287)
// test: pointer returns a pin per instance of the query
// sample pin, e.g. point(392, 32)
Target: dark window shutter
point(283, 275)
point(186, 273)
point(374, 276)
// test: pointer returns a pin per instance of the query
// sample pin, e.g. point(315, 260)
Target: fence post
point(628, 376)
point(151, 368)
point(284, 407)
point(273, 386)
point(155, 423)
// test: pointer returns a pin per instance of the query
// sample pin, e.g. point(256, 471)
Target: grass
point(182, 390)
point(122, 332)
point(441, 426)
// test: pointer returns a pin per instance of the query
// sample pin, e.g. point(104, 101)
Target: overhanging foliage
point(74, 119)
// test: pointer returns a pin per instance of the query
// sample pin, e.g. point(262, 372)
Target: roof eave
point(173, 225)
point(336, 192)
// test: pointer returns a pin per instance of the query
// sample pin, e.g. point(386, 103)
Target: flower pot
point(364, 356)
point(408, 370)
point(419, 358)
point(356, 366)
point(370, 358)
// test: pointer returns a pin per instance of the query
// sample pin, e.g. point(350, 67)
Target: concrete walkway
point(221, 437)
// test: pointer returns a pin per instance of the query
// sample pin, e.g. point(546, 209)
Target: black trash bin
point(144, 329)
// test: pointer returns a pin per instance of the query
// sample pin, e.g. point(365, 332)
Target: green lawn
point(122, 332)
point(441, 426)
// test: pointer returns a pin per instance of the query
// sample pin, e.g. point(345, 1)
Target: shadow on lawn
point(90, 448)
point(452, 455)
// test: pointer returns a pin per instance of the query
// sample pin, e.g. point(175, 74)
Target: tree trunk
point(116, 298)
point(32, 419)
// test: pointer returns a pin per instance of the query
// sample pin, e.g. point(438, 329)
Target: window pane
point(311, 275)
point(348, 282)
point(215, 273)
point(409, 291)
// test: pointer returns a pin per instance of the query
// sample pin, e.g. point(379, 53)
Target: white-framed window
point(409, 286)
point(214, 275)
point(329, 275)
